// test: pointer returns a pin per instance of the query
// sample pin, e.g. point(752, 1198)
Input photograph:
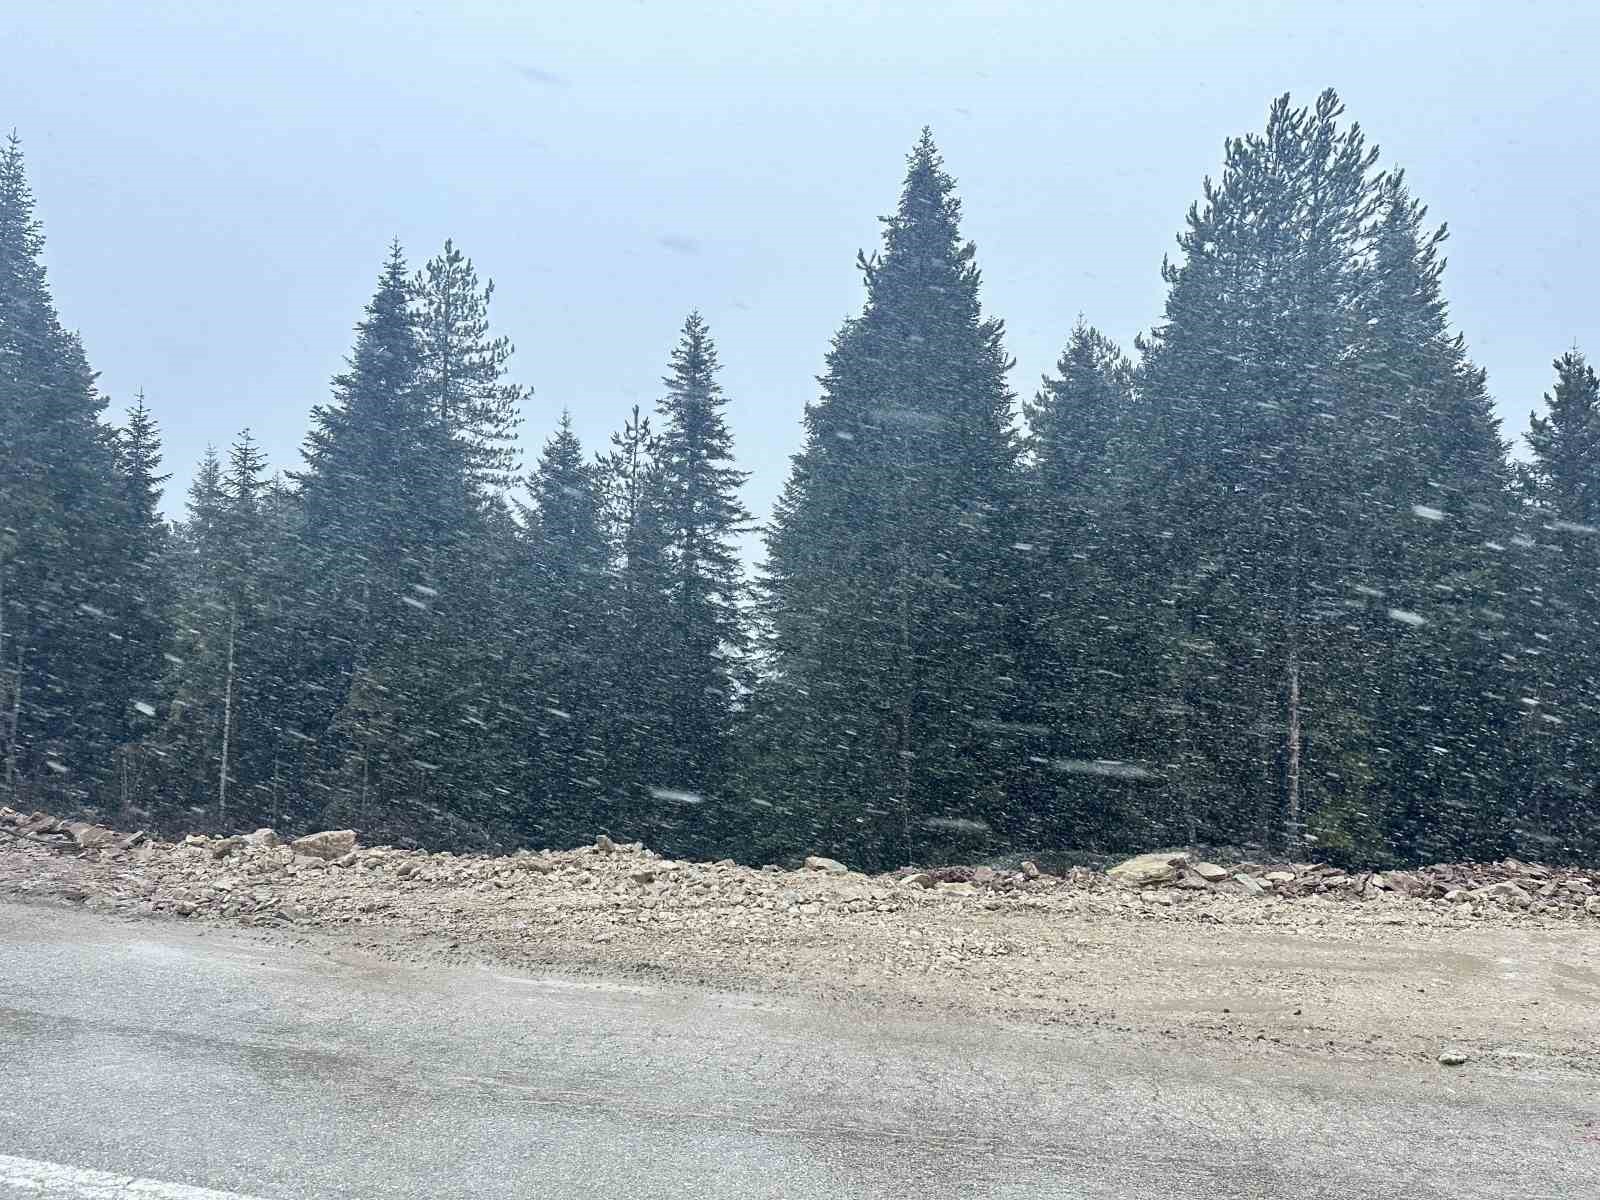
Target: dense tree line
point(1274, 580)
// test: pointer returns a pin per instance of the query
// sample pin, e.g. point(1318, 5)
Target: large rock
point(329, 844)
point(1210, 872)
point(1506, 893)
point(831, 866)
point(1149, 869)
point(91, 837)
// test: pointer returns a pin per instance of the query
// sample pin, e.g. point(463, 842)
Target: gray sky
point(219, 181)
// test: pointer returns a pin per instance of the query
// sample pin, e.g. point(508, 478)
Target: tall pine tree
point(700, 508)
point(890, 589)
point(67, 602)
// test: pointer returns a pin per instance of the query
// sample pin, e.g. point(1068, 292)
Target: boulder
point(263, 839)
point(329, 844)
point(1030, 869)
point(1145, 870)
point(1453, 1057)
point(984, 875)
point(605, 845)
point(91, 837)
point(831, 866)
point(1505, 892)
point(1210, 872)
point(1592, 906)
point(920, 880)
point(1404, 883)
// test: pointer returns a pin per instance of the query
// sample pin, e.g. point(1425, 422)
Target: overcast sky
point(219, 181)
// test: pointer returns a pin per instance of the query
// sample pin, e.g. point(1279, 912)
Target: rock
point(1506, 892)
point(724, 864)
point(304, 862)
point(1210, 872)
point(1146, 870)
point(958, 889)
point(1279, 877)
point(263, 839)
point(1193, 880)
point(1592, 906)
point(347, 860)
point(223, 847)
point(132, 840)
point(1457, 895)
point(983, 875)
point(1030, 869)
point(1453, 1057)
point(831, 866)
point(605, 845)
point(1249, 883)
point(921, 880)
point(184, 908)
point(405, 869)
point(329, 844)
point(1404, 884)
point(644, 875)
point(91, 837)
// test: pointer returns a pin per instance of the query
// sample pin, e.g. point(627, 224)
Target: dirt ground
point(1499, 962)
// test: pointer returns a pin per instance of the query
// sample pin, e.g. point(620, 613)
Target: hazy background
point(219, 181)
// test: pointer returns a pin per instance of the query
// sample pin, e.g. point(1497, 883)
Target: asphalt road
point(143, 1059)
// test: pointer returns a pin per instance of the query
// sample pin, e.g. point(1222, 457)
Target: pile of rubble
point(1510, 883)
point(328, 877)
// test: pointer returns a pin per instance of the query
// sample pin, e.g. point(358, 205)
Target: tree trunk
point(16, 725)
point(1292, 817)
point(227, 724)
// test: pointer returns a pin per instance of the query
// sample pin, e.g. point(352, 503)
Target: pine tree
point(1564, 475)
point(702, 513)
point(1560, 642)
point(566, 673)
point(1088, 628)
point(149, 597)
point(390, 523)
point(63, 594)
point(1247, 379)
point(890, 589)
point(462, 368)
point(1429, 492)
point(640, 621)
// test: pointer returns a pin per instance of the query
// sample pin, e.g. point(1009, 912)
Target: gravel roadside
point(1504, 972)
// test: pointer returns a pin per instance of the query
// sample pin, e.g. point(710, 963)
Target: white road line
point(31, 1177)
